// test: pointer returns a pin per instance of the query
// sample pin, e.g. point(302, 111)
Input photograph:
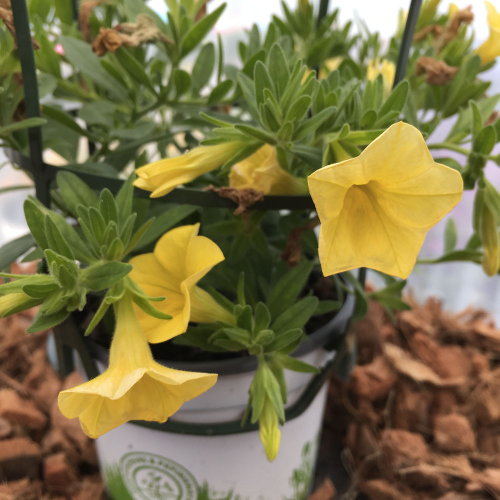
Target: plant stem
point(450, 146)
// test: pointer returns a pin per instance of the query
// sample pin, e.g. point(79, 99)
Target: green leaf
point(477, 121)
point(140, 129)
point(229, 345)
point(296, 316)
point(35, 218)
point(272, 387)
point(262, 80)
point(450, 236)
point(313, 123)
point(44, 322)
point(278, 69)
point(124, 200)
point(80, 55)
point(107, 206)
point(395, 101)
point(295, 364)
point(298, 109)
point(287, 289)
point(148, 308)
point(134, 68)
point(64, 119)
point(327, 306)
point(203, 67)
point(101, 276)
point(75, 192)
point(40, 291)
point(103, 309)
point(138, 236)
point(284, 339)
point(262, 317)
point(198, 32)
point(55, 239)
point(361, 307)
point(485, 140)
point(219, 92)
point(256, 133)
point(182, 81)
point(64, 11)
point(27, 123)
point(97, 224)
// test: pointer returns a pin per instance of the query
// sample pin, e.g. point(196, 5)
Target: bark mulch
point(419, 419)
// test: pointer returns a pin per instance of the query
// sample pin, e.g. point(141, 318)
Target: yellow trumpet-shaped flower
point(163, 176)
point(16, 302)
point(180, 259)
point(375, 209)
point(490, 49)
point(386, 68)
point(262, 172)
point(269, 431)
point(134, 387)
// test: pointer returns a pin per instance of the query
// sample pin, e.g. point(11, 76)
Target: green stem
point(450, 146)
point(457, 149)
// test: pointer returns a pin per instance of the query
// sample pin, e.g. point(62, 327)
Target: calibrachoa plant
point(308, 109)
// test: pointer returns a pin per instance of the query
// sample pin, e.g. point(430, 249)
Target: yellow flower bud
point(269, 432)
point(491, 241)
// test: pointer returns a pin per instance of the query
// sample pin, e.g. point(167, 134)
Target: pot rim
point(321, 337)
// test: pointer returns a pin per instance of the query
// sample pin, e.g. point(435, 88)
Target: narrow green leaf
point(44, 322)
point(101, 276)
point(198, 32)
point(55, 239)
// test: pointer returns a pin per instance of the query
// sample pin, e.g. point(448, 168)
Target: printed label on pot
point(152, 477)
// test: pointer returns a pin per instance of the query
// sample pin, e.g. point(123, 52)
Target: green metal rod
point(407, 41)
point(31, 99)
point(323, 10)
point(75, 9)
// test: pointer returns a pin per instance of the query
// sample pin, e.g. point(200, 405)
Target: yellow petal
point(163, 176)
point(16, 302)
point(493, 15)
point(375, 209)
point(181, 258)
point(127, 389)
point(490, 49)
point(452, 10)
point(262, 172)
point(269, 432)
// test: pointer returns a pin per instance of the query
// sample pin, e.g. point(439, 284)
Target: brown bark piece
point(20, 411)
point(325, 492)
point(374, 380)
point(380, 489)
point(453, 434)
point(19, 458)
point(402, 449)
point(59, 475)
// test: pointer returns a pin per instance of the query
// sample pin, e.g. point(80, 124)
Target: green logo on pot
point(153, 477)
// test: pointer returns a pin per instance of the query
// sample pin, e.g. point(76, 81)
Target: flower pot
point(203, 452)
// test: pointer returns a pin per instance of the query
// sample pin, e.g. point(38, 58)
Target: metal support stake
point(407, 40)
point(30, 83)
point(323, 10)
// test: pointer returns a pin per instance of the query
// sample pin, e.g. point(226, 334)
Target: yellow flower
point(375, 209)
point(490, 49)
point(330, 65)
point(163, 176)
point(16, 302)
point(452, 10)
point(134, 387)
point(180, 259)
point(269, 432)
point(262, 172)
point(388, 71)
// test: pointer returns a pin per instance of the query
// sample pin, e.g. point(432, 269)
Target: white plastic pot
point(201, 453)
